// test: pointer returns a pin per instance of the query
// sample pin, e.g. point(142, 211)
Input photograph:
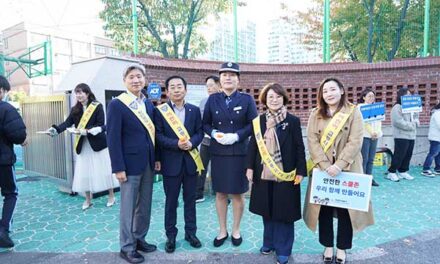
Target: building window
point(100, 50)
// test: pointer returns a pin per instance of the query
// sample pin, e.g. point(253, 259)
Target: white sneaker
point(392, 177)
point(406, 176)
point(428, 173)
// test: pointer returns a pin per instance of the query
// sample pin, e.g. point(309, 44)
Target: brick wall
point(422, 75)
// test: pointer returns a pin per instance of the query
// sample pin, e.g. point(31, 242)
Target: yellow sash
point(137, 111)
point(267, 158)
point(181, 132)
point(330, 133)
point(85, 119)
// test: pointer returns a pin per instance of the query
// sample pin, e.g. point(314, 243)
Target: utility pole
point(135, 27)
point(426, 29)
point(326, 33)
point(235, 32)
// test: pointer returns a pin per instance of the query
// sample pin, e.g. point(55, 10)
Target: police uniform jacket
point(235, 119)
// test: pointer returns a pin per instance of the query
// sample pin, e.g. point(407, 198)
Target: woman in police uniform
point(227, 118)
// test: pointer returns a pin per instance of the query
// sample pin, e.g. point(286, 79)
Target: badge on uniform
point(237, 108)
point(134, 105)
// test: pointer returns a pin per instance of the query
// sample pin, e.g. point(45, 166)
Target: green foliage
point(375, 30)
point(165, 27)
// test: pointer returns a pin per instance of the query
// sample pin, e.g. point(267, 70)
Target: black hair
point(437, 106)
point(167, 81)
point(4, 84)
point(216, 79)
point(77, 110)
point(401, 92)
point(365, 92)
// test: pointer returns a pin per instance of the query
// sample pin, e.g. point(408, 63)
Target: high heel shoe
point(86, 205)
point(326, 259)
point(111, 203)
point(341, 260)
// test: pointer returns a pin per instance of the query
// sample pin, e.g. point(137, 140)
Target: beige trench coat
point(347, 150)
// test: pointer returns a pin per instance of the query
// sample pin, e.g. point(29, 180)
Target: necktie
point(228, 100)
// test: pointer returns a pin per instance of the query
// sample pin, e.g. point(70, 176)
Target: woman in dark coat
point(277, 200)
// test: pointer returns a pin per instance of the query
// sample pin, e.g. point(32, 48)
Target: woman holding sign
point(92, 168)
point(336, 126)
point(276, 194)
point(372, 133)
point(404, 133)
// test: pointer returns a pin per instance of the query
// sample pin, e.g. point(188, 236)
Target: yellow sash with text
point(137, 111)
point(85, 119)
point(266, 157)
point(331, 131)
point(181, 132)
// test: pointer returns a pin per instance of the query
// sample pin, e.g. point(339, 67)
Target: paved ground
point(50, 227)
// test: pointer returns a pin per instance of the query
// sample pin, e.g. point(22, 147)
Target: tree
point(167, 27)
point(375, 30)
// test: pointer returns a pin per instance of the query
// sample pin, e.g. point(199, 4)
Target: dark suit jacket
point(235, 119)
point(285, 202)
point(12, 131)
point(173, 158)
point(129, 143)
point(98, 142)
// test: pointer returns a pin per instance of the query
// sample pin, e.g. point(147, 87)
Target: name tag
point(237, 108)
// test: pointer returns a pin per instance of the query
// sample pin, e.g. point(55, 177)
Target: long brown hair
point(322, 105)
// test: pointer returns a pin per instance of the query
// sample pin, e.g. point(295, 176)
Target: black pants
point(206, 157)
point(345, 230)
point(172, 186)
point(403, 149)
point(9, 192)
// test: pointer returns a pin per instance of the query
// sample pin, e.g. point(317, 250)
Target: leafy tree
point(374, 30)
point(167, 27)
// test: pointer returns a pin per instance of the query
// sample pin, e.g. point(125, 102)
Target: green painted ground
point(47, 220)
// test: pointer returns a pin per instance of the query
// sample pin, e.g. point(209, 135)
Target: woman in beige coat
point(343, 155)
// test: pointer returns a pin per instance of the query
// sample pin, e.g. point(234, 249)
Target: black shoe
point(132, 257)
point(193, 240)
point(219, 242)
point(374, 183)
point(5, 240)
point(145, 247)
point(236, 241)
point(170, 245)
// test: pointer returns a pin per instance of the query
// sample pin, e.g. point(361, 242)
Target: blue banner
point(411, 103)
point(347, 190)
point(373, 112)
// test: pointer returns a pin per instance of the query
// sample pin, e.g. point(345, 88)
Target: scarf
point(271, 141)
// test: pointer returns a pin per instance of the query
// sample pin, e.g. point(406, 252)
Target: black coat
point(12, 131)
point(280, 201)
point(98, 142)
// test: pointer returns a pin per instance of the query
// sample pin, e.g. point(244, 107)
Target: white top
point(434, 126)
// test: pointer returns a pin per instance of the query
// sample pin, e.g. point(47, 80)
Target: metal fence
point(45, 155)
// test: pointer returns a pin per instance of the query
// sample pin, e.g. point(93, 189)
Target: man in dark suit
point(130, 137)
point(178, 165)
point(12, 131)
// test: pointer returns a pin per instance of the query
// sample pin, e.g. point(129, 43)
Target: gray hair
point(132, 67)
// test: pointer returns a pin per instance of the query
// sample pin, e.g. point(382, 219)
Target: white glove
point(95, 130)
point(83, 132)
point(229, 138)
point(218, 136)
point(52, 132)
